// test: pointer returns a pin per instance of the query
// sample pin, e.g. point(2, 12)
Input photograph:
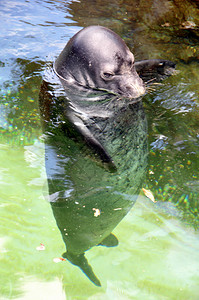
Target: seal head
point(97, 58)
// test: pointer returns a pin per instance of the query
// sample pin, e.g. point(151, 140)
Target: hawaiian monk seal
point(103, 88)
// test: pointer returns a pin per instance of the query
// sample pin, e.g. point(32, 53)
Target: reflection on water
point(157, 256)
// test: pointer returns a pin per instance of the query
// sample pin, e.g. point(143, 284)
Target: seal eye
point(107, 75)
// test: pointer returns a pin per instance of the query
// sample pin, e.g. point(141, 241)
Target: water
point(157, 256)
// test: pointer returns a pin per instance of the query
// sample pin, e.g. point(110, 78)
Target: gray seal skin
point(98, 58)
point(96, 156)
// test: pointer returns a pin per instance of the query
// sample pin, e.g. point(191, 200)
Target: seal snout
point(132, 87)
point(139, 89)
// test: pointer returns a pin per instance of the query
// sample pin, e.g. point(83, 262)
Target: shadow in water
point(88, 200)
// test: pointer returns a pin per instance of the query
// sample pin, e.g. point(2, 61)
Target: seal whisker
point(150, 80)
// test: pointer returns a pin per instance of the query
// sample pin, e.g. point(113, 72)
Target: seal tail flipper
point(154, 70)
point(81, 261)
point(110, 241)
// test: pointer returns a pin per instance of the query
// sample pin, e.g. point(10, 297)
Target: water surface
point(157, 256)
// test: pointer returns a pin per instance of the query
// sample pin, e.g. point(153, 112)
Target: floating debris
point(149, 195)
point(41, 247)
point(188, 25)
point(167, 24)
point(151, 172)
point(97, 212)
point(58, 259)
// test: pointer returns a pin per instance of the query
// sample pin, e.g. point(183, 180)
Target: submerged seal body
point(87, 201)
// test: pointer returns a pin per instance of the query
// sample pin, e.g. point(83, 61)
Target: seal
point(101, 107)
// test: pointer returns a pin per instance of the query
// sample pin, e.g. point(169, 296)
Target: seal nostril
point(130, 64)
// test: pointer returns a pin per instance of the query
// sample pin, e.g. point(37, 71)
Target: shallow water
point(157, 256)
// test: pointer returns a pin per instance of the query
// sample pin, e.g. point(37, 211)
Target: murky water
point(158, 252)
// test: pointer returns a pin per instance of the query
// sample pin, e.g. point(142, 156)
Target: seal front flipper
point(110, 241)
point(80, 128)
point(81, 261)
point(154, 69)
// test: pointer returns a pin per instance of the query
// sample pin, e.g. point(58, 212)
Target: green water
point(158, 252)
